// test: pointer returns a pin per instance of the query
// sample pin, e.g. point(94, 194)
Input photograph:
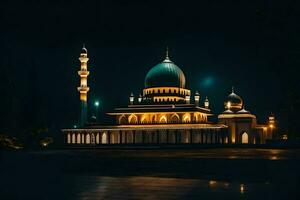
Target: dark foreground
point(223, 173)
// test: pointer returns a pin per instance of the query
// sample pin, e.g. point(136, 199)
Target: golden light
point(44, 144)
point(228, 105)
point(271, 126)
point(242, 188)
point(212, 183)
point(285, 137)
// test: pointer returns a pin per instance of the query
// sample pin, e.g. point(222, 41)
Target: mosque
point(166, 112)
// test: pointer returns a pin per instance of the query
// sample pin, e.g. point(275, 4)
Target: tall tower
point(83, 88)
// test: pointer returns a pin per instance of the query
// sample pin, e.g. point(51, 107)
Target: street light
point(97, 103)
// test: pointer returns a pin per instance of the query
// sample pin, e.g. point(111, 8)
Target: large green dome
point(165, 74)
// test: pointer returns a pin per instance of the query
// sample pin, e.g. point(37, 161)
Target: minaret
point(83, 88)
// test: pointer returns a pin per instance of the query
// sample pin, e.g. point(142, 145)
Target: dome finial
point(167, 53)
point(167, 59)
point(232, 89)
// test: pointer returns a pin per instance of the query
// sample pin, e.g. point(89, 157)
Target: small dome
point(165, 74)
point(233, 102)
point(234, 98)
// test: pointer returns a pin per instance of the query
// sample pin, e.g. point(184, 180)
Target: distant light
point(285, 137)
point(97, 103)
point(75, 126)
point(242, 188)
point(208, 81)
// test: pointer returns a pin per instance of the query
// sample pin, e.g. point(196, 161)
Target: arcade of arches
point(157, 118)
point(205, 136)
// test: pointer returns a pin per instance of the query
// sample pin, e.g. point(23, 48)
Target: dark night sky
point(252, 45)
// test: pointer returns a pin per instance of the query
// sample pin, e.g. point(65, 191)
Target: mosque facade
point(166, 112)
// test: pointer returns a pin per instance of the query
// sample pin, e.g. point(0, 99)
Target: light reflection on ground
point(155, 188)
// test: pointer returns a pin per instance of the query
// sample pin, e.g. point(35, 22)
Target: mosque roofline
point(149, 109)
point(236, 115)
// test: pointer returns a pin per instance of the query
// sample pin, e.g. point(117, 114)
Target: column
point(133, 137)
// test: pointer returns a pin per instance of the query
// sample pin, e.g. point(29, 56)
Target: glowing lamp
point(131, 98)
point(187, 99)
point(140, 99)
point(228, 105)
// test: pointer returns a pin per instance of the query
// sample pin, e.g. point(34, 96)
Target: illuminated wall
point(161, 118)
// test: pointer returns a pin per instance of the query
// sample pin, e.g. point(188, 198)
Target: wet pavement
point(231, 173)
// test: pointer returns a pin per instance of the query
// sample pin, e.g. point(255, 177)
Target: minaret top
point(232, 89)
point(84, 50)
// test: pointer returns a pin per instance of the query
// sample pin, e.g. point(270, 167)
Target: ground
point(151, 174)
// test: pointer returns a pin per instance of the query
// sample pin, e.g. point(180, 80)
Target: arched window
point(175, 118)
point(122, 119)
point(132, 119)
point(97, 138)
point(104, 138)
point(92, 138)
point(69, 138)
point(88, 139)
point(245, 138)
point(144, 119)
point(73, 138)
point(78, 138)
point(186, 118)
point(163, 119)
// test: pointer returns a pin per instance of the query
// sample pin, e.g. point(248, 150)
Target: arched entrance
point(88, 139)
point(104, 139)
point(245, 138)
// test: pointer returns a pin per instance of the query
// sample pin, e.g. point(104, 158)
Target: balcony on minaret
point(83, 73)
point(83, 89)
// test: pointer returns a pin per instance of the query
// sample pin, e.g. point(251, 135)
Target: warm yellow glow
point(175, 118)
point(242, 188)
point(226, 140)
point(186, 117)
point(271, 126)
point(167, 98)
point(104, 138)
point(212, 183)
point(228, 105)
point(187, 99)
point(245, 139)
point(163, 119)
point(285, 137)
point(235, 115)
point(45, 144)
point(132, 119)
point(88, 139)
point(165, 90)
point(143, 118)
point(83, 73)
